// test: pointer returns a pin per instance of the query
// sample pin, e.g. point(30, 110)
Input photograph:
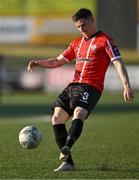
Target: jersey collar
point(93, 35)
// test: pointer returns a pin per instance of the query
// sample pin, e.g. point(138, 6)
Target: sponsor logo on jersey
point(84, 59)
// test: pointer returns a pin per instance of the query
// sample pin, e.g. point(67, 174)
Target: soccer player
point(93, 52)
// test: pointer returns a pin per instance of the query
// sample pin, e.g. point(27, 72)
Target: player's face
point(85, 26)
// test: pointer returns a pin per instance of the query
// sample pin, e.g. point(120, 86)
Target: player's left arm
point(127, 92)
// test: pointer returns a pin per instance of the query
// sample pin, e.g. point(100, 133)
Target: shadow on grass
point(34, 109)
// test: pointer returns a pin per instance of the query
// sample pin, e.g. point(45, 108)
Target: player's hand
point(31, 65)
point(128, 94)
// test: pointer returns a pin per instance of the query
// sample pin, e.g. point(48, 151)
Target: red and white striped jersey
point(92, 57)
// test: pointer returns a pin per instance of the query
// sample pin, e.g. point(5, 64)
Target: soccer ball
point(30, 137)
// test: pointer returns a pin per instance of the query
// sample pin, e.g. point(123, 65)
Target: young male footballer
point(92, 53)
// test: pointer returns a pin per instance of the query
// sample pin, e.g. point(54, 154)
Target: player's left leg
point(75, 131)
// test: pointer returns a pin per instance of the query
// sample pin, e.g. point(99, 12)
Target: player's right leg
point(60, 116)
point(59, 119)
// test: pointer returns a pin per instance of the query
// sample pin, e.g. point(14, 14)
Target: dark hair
point(81, 13)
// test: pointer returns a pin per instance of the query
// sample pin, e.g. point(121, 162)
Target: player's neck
point(93, 34)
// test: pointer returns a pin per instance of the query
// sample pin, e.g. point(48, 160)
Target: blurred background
point(40, 29)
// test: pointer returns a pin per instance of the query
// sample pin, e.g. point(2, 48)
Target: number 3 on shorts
point(85, 95)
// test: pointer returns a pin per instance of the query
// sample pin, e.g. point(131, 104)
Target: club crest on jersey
point(93, 47)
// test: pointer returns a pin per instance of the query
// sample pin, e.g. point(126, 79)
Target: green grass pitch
point(107, 149)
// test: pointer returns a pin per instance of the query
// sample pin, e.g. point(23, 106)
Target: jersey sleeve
point(112, 50)
point(69, 53)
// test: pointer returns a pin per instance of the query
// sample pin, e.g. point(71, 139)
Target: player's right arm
point(50, 63)
point(65, 57)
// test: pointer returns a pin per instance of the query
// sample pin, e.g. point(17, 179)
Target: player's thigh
point(60, 116)
point(80, 113)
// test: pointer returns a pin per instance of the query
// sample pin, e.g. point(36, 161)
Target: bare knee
point(55, 119)
point(80, 113)
point(59, 116)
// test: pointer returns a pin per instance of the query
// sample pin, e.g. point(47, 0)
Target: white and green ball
point(30, 137)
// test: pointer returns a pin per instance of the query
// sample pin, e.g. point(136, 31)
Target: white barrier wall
point(15, 29)
point(58, 78)
point(35, 30)
point(112, 80)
